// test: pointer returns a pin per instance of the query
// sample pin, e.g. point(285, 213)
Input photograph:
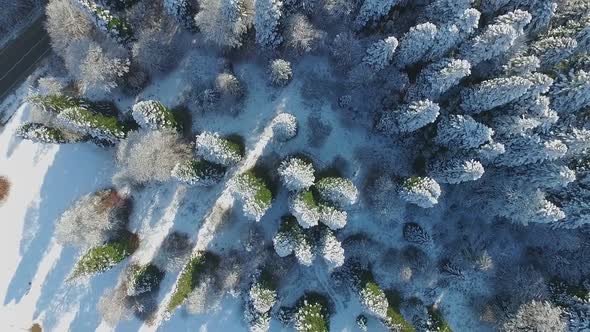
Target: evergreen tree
point(84, 122)
point(372, 10)
point(198, 172)
point(331, 249)
point(218, 150)
point(497, 38)
point(373, 298)
point(442, 11)
point(266, 23)
point(522, 206)
point(224, 23)
point(311, 315)
point(493, 93)
point(409, 117)
point(332, 217)
point(151, 114)
point(571, 93)
point(253, 193)
point(284, 127)
point(452, 34)
point(438, 78)
point(280, 72)
point(304, 207)
point(142, 279)
point(532, 149)
point(577, 142)
point(415, 44)
point(56, 103)
point(115, 26)
point(421, 191)
point(296, 174)
point(263, 296)
point(548, 175)
point(339, 191)
point(455, 171)
point(182, 11)
point(522, 65)
point(380, 53)
point(462, 131)
point(38, 132)
point(553, 50)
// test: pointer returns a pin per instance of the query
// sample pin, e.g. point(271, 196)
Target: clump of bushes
point(104, 257)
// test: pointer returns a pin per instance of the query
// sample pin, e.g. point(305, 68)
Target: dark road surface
point(20, 57)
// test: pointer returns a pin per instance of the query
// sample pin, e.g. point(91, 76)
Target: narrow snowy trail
point(214, 219)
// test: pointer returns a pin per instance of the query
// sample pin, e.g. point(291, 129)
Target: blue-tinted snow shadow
point(75, 171)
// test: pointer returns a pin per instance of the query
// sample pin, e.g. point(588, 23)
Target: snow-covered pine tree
point(380, 53)
point(253, 193)
point(38, 132)
point(408, 118)
point(266, 23)
point(292, 238)
point(523, 206)
point(339, 191)
point(284, 127)
point(296, 174)
point(331, 249)
point(332, 217)
point(256, 321)
point(577, 142)
point(415, 44)
point(225, 22)
point(550, 175)
point(461, 132)
point(455, 170)
point(438, 78)
point(522, 65)
point(311, 315)
point(182, 11)
point(452, 34)
point(115, 26)
point(279, 72)
point(263, 296)
point(198, 172)
point(218, 150)
point(421, 191)
point(152, 114)
point(443, 11)
point(524, 150)
point(496, 38)
point(56, 103)
point(372, 10)
point(571, 92)
point(304, 207)
point(373, 298)
point(82, 121)
point(488, 152)
point(553, 50)
point(493, 93)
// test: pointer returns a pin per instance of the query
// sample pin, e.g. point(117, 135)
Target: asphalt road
point(20, 57)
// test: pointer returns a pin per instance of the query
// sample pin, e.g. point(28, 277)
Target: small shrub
point(102, 258)
point(280, 72)
point(4, 188)
point(284, 127)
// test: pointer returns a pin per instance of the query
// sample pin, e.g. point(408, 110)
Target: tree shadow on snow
point(69, 177)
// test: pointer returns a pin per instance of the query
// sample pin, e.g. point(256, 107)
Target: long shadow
point(67, 179)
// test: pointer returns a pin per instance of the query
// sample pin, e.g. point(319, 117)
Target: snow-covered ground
point(46, 179)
